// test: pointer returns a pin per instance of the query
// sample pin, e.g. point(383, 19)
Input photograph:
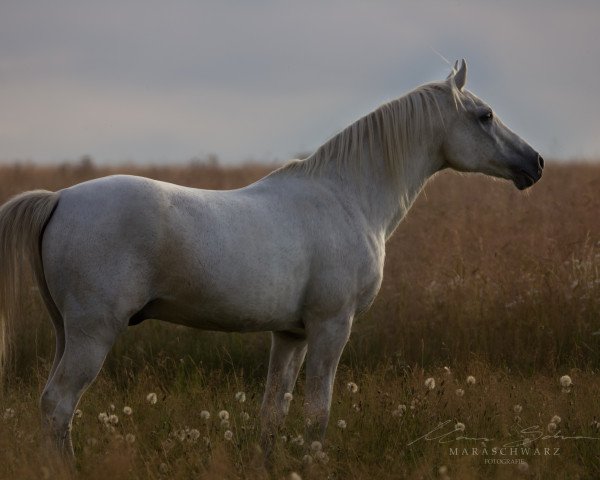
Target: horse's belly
point(220, 316)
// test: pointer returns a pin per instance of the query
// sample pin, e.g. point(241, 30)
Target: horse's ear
point(460, 77)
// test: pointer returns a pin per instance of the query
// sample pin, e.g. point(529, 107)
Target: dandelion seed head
point(288, 397)
point(565, 381)
point(443, 470)
point(78, 413)
point(471, 380)
point(298, 440)
point(294, 476)
point(316, 446)
point(517, 409)
point(356, 407)
point(321, 457)
point(459, 426)
point(113, 419)
point(193, 435)
point(447, 370)
point(127, 410)
point(352, 387)
point(225, 424)
point(307, 459)
point(224, 415)
point(552, 427)
point(163, 468)
point(245, 416)
point(103, 417)
point(91, 441)
point(523, 467)
point(430, 383)
point(8, 413)
point(240, 397)
point(341, 424)
point(228, 435)
point(460, 392)
point(151, 398)
point(130, 438)
point(556, 419)
point(204, 414)
point(284, 438)
point(111, 407)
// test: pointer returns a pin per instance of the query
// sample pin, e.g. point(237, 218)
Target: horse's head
point(477, 141)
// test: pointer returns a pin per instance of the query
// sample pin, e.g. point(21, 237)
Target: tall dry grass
point(481, 278)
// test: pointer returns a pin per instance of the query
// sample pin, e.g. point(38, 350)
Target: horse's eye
point(486, 117)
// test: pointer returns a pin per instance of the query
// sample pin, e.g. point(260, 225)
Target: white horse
point(299, 253)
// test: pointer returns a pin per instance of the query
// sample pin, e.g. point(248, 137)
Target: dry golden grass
point(481, 278)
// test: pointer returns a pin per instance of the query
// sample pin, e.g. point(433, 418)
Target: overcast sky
point(157, 81)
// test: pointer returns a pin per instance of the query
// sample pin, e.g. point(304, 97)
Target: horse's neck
point(383, 199)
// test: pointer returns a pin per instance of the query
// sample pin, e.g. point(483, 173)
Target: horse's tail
point(22, 222)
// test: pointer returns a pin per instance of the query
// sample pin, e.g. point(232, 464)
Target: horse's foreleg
point(287, 356)
point(82, 359)
point(326, 341)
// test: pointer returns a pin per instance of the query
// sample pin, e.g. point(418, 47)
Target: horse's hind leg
point(88, 339)
point(287, 356)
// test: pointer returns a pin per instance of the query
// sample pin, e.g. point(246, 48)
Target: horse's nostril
point(540, 161)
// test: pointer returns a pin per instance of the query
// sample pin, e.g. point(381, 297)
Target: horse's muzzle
point(524, 176)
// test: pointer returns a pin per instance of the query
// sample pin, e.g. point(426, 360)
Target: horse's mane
point(397, 127)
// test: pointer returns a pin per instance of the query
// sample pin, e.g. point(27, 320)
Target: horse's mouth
point(523, 179)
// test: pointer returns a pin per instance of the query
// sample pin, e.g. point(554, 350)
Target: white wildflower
point(225, 424)
point(127, 410)
point(78, 413)
point(111, 407)
point(240, 397)
point(130, 438)
point(224, 415)
point(163, 468)
point(228, 435)
point(460, 392)
point(113, 419)
point(307, 459)
point(552, 427)
point(298, 440)
point(556, 419)
point(193, 435)
point(8, 413)
point(447, 370)
point(565, 381)
point(471, 380)
point(294, 476)
point(430, 383)
point(204, 414)
point(103, 417)
point(321, 456)
point(245, 416)
point(316, 446)
point(151, 398)
point(459, 426)
point(288, 397)
point(517, 409)
point(284, 438)
point(341, 424)
point(352, 387)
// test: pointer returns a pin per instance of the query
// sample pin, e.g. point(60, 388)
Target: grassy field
point(481, 281)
